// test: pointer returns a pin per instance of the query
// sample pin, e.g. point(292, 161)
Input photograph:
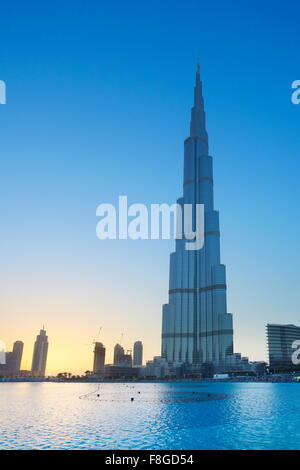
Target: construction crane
point(95, 339)
point(121, 339)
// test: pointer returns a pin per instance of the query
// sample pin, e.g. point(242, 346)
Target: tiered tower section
point(196, 327)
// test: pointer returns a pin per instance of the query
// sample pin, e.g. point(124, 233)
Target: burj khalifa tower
point(196, 327)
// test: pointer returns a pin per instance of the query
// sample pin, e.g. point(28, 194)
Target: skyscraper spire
point(198, 99)
point(197, 127)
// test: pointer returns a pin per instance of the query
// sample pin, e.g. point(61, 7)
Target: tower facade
point(17, 355)
point(118, 354)
point(40, 351)
point(138, 353)
point(196, 327)
point(99, 357)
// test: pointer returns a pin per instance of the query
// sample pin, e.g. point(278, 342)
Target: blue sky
point(98, 105)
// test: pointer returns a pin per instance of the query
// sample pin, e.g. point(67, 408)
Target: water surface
point(162, 416)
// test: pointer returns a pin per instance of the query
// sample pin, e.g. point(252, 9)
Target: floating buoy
point(132, 398)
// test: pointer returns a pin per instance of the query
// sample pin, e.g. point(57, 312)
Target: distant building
point(158, 368)
point(235, 362)
point(118, 354)
point(279, 340)
point(13, 359)
point(259, 367)
point(120, 358)
point(99, 357)
point(119, 372)
point(2, 353)
point(17, 354)
point(126, 360)
point(40, 352)
point(138, 353)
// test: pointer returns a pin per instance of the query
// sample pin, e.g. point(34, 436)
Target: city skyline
point(13, 359)
point(74, 92)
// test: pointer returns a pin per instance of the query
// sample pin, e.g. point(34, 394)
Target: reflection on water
point(149, 416)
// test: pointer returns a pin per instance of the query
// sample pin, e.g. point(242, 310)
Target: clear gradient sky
point(98, 105)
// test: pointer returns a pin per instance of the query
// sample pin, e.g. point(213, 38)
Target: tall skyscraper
point(17, 354)
point(118, 354)
point(40, 352)
point(99, 357)
point(138, 353)
point(196, 327)
point(280, 339)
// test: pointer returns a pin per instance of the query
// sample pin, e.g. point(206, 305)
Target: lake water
point(162, 416)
